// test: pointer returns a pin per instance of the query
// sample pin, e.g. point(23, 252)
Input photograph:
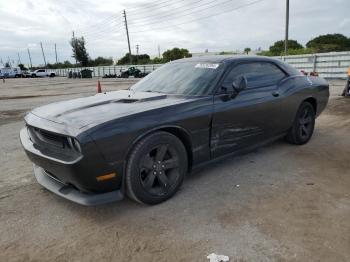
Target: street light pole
point(287, 29)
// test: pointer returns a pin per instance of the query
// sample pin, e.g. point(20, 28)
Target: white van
point(8, 72)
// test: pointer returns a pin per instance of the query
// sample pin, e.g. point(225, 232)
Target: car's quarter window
point(258, 74)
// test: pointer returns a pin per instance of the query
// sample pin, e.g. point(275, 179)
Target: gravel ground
point(292, 202)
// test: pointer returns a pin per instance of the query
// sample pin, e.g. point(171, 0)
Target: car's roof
point(226, 58)
point(229, 59)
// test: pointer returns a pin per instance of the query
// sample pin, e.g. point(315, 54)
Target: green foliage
point(302, 51)
point(136, 59)
point(226, 53)
point(247, 50)
point(329, 43)
point(22, 67)
point(79, 50)
point(175, 53)
point(157, 60)
point(101, 61)
point(278, 47)
point(65, 64)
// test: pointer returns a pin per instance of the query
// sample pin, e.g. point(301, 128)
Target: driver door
point(253, 115)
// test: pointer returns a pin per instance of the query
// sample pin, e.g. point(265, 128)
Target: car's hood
point(103, 107)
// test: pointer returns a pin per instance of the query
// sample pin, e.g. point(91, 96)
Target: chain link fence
point(328, 65)
point(100, 71)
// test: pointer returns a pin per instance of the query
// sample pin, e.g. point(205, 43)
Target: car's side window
point(258, 74)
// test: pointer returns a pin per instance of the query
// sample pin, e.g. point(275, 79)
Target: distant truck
point(42, 73)
point(10, 72)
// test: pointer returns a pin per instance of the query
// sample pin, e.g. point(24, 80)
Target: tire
point(303, 126)
point(156, 168)
point(33, 75)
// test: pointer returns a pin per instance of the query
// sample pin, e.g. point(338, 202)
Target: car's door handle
point(275, 93)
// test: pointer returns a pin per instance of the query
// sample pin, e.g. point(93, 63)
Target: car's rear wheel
point(303, 126)
point(156, 168)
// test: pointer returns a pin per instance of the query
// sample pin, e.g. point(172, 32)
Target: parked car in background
point(10, 72)
point(26, 74)
point(43, 73)
point(142, 142)
point(132, 71)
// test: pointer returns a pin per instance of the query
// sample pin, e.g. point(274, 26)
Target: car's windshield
point(183, 78)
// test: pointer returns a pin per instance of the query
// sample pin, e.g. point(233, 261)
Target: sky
point(216, 25)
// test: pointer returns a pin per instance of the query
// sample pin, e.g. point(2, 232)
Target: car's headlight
point(74, 144)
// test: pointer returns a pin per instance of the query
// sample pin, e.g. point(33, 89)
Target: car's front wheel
point(303, 126)
point(156, 168)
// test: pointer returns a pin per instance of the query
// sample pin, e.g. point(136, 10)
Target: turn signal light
point(106, 177)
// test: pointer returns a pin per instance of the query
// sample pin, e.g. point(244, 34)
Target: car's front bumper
point(71, 193)
point(76, 180)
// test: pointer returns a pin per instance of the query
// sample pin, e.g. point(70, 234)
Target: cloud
point(26, 23)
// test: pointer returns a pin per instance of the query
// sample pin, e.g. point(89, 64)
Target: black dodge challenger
point(143, 141)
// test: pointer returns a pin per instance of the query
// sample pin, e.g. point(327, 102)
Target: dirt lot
point(292, 202)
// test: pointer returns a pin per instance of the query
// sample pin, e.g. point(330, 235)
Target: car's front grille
point(43, 137)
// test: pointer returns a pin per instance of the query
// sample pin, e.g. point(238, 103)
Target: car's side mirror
point(240, 84)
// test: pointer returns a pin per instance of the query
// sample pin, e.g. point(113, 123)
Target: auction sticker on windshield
point(207, 65)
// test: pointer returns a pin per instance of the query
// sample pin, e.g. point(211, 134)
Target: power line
point(200, 18)
point(104, 31)
point(154, 5)
point(179, 7)
point(193, 12)
point(102, 22)
point(111, 24)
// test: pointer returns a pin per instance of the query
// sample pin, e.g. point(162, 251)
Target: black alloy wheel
point(156, 168)
point(159, 170)
point(303, 126)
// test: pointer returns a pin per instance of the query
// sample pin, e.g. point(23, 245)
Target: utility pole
point(287, 29)
point(159, 51)
point(42, 50)
point(137, 53)
point(75, 49)
point(56, 53)
point(19, 59)
point(30, 58)
point(127, 35)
